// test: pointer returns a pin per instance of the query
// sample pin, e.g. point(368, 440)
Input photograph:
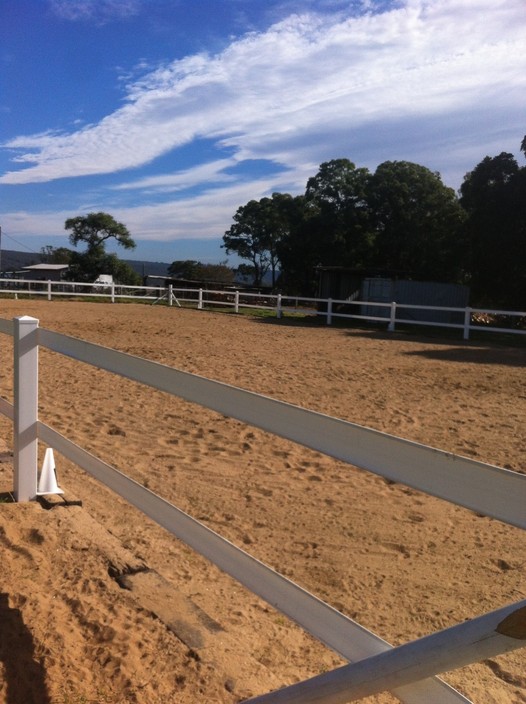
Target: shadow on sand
point(23, 674)
point(443, 349)
point(507, 356)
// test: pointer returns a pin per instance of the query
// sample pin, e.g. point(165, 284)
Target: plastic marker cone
point(48, 478)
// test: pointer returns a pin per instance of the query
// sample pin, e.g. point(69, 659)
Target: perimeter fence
point(408, 670)
point(466, 320)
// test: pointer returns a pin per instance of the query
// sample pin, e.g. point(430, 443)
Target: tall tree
point(257, 230)
point(494, 197)
point(417, 222)
point(339, 214)
point(329, 225)
point(248, 237)
point(94, 230)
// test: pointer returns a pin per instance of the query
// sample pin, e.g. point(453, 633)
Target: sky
point(171, 114)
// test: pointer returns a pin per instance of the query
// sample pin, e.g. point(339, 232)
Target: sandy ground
point(98, 604)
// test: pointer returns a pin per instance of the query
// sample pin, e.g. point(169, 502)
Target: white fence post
point(279, 312)
point(329, 311)
point(170, 295)
point(200, 301)
point(25, 408)
point(113, 292)
point(392, 318)
point(236, 302)
point(467, 323)
point(49, 290)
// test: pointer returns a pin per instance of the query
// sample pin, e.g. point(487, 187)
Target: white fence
point(391, 314)
point(408, 671)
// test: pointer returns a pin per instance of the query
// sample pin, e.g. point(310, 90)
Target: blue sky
point(170, 114)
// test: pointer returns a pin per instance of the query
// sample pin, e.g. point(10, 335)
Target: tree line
point(401, 220)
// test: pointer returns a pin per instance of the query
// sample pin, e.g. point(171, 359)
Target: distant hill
point(14, 261)
point(148, 268)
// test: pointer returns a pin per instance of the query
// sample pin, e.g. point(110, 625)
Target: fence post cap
point(27, 320)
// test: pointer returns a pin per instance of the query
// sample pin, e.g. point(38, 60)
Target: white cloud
point(181, 180)
point(269, 94)
point(201, 217)
point(100, 11)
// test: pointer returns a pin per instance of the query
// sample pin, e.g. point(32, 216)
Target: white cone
point(48, 478)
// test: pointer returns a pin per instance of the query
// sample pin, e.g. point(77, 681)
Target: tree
point(417, 222)
point(336, 202)
point(193, 270)
point(94, 230)
point(247, 237)
point(185, 269)
point(250, 237)
point(329, 225)
point(494, 197)
point(220, 273)
point(55, 255)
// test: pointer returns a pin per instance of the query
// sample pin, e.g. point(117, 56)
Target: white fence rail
point(388, 314)
point(490, 490)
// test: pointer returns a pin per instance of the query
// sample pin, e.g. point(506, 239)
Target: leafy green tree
point(246, 272)
point(122, 272)
point(94, 230)
point(247, 238)
point(494, 197)
point(336, 204)
point(88, 266)
point(330, 225)
point(193, 270)
point(257, 230)
point(185, 269)
point(55, 255)
point(417, 222)
point(222, 273)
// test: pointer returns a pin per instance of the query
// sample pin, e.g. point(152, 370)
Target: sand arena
point(401, 563)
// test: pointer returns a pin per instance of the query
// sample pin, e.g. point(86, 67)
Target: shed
point(415, 293)
point(46, 272)
point(383, 286)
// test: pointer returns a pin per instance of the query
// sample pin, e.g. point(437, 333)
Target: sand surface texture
point(99, 604)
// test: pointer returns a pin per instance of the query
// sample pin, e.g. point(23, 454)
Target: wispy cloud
point(273, 93)
point(205, 215)
point(441, 82)
point(213, 172)
point(100, 11)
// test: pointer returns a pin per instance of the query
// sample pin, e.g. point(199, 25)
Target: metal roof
point(46, 267)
